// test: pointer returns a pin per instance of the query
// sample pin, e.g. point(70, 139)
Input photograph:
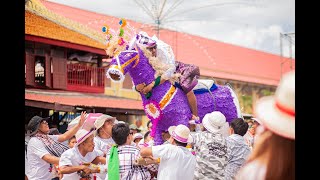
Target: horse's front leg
point(158, 137)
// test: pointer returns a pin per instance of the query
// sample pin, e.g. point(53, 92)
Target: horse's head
point(121, 64)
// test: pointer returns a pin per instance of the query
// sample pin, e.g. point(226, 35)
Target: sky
point(255, 24)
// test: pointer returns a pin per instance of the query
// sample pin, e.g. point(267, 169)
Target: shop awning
point(70, 101)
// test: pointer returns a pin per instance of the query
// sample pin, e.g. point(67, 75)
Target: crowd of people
point(258, 149)
point(261, 148)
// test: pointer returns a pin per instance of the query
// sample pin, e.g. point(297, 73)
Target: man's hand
point(85, 169)
point(148, 88)
point(151, 160)
point(82, 118)
point(139, 87)
point(95, 170)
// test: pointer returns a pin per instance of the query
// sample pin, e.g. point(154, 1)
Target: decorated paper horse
point(168, 105)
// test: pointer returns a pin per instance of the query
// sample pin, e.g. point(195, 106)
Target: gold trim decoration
point(167, 97)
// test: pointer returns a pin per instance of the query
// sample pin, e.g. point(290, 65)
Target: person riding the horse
point(188, 73)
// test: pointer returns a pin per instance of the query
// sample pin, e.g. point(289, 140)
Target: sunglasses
point(150, 48)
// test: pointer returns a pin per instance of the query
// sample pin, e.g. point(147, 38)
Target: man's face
point(252, 127)
point(107, 126)
point(153, 50)
point(138, 123)
point(165, 136)
point(137, 140)
point(133, 131)
point(148, 138)
point(88, 143)
point(44, 127)
point(72, 142)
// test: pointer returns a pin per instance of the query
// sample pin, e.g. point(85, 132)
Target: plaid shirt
point(127, 155)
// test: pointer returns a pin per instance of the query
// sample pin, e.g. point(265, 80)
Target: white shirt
point(72, 157)
point(148, 144)
point(38, 169)
point(176, 162)
point(25, 162)
point(103, 145)
point(26, 140)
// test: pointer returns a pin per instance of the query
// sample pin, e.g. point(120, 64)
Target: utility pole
point(158, 27)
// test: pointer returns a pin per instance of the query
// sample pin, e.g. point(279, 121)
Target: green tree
point(246, 102)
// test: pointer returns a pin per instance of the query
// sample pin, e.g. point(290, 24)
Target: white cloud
point(250, 23)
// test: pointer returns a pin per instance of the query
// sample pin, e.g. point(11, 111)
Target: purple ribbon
point(181, 139)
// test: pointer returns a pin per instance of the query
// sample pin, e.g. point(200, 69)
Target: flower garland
point(154, 113)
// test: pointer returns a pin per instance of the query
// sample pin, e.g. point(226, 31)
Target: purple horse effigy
point(168, 104)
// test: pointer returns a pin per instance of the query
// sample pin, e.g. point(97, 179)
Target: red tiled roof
point(222, 60)
point(83, 100)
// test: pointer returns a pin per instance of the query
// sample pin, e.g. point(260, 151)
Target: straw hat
point(82, 135)
point(214, 121)
point(180, 133)
point(277, 113)
point(101, 119)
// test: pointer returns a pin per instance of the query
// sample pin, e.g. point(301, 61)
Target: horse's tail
point(235, 100)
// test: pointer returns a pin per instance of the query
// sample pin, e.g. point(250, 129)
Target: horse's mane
point(114, 48)
point(158, 65)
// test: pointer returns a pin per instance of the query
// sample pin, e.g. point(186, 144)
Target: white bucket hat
point(101, 119)
point(277, 113)
point(214, 121)
point(82, 135)
point(257, 120)
point(137, 135)
point(180, 133)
